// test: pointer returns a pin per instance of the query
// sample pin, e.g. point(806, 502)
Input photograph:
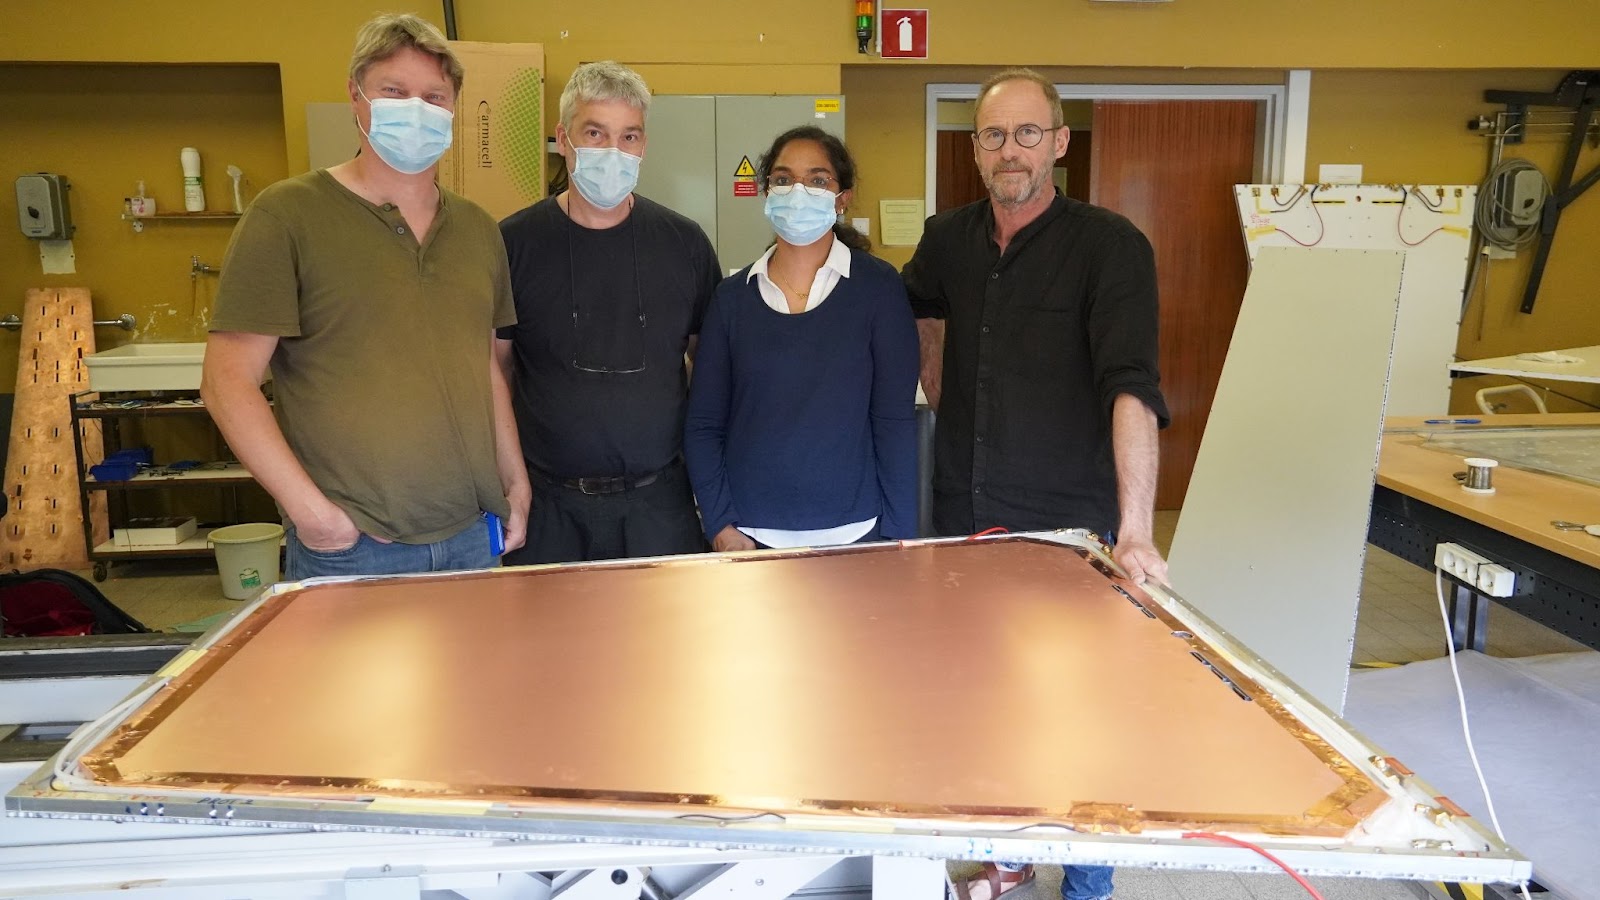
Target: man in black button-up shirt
point(1042, 311)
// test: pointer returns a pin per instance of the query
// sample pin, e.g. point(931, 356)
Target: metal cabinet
point(701, 158)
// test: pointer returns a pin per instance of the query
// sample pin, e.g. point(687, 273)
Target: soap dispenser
point(140, 206)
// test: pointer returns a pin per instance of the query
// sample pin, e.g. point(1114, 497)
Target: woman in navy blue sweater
point(801, 427)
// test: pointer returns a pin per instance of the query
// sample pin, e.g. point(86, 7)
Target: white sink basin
point(147, 367)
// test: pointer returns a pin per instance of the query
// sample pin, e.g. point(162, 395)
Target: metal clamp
point(126, 322)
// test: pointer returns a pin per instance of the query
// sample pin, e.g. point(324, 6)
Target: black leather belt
point(605, 484)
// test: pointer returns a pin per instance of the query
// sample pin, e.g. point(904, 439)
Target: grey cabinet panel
point(746, 127)
point(680, 165)
point(696, 147)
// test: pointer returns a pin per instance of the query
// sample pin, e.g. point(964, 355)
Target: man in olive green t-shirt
point(373, 294)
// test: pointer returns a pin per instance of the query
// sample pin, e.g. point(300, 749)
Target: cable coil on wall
point(1500, 224)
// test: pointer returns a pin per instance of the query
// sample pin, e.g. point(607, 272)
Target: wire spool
point(1480, 475)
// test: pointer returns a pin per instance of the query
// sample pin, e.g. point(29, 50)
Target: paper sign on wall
point(900, 222)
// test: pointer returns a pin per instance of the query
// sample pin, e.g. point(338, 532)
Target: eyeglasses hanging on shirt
point(608, 330)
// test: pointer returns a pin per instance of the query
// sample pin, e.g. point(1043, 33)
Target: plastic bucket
point(247, 557)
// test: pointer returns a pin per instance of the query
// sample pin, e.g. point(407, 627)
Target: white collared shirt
point(835, 267)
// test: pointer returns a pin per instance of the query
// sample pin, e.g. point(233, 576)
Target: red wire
point(1222, 838)
point(995, 530)
point(1402, 215)
point(1322, 226)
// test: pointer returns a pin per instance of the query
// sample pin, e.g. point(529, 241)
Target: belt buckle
point(603, 485)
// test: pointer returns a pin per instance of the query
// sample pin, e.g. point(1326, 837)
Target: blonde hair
point(386, 35)
point(605, 80)
point(1021, 74)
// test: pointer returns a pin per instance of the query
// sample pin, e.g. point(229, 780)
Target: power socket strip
point(1489, 578)
point(1496, 581)
point(1458, 561)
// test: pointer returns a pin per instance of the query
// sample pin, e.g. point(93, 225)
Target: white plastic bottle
point(194, 194)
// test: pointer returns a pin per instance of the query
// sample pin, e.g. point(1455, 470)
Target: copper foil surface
point(999, 678)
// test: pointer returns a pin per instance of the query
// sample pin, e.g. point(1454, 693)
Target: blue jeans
point(466, 549)
point(1085, 882)
point(1078, 882)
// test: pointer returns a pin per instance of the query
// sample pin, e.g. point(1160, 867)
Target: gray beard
point(1024, 195)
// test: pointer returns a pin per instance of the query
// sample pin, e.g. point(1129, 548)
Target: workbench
point(1417, 504)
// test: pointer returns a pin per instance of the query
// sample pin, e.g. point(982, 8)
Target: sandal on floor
point(994, 882)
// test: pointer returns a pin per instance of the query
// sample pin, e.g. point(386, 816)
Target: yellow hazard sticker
point(745, 170)
point(828, 105)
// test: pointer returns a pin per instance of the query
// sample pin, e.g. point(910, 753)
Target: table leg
point(1469, 618)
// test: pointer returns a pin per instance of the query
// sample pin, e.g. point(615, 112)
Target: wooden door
point(958, 180)
point(1170, 167)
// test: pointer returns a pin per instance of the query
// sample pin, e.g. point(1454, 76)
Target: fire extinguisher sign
point(904, 33)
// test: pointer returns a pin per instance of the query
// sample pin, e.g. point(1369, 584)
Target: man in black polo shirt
point(610, 289)
point(1042, 310)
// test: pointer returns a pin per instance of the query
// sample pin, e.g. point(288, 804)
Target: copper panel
point(998, 678)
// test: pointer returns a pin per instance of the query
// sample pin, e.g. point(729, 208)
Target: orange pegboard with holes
point(43, 523)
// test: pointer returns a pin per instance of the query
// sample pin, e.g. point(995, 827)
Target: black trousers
point(567, 525)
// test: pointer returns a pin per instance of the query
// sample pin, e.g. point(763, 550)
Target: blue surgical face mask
point(605, 176)
point(800, 216)
point(410, 135)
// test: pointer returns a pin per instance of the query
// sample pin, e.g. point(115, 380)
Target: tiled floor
point(167, 594)
point(1399, 620)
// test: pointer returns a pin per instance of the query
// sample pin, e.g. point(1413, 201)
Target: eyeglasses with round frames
point(1025, 136)
point(816, 184)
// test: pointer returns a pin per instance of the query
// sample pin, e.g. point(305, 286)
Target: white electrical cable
point(64, 766)
point(1461, 700)
point(1492, 214)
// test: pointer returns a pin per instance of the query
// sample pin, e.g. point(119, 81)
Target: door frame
point(1281, 130)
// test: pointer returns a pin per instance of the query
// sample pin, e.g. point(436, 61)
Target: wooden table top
point(1523, 504)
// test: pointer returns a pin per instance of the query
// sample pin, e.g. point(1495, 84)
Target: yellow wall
point(1391, 92)
point(1411, 126)
point(105, 128)
point(737, 41)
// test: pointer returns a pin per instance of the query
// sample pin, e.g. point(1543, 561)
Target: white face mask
point(801, 214)
point(605, 176)
point(409, 135)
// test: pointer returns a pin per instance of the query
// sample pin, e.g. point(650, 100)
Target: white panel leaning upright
point(1272, 537)
point(1430, 223)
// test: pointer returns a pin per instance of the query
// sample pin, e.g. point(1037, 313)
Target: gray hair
point(606, 80)
point(1051, 95)
point(386, 35)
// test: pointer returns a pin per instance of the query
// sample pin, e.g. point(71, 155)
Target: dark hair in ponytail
point(844, 169)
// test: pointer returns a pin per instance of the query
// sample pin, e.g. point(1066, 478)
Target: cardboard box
point(497, 158)
point(155, 532)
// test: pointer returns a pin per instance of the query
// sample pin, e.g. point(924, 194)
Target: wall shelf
point(207, 215)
